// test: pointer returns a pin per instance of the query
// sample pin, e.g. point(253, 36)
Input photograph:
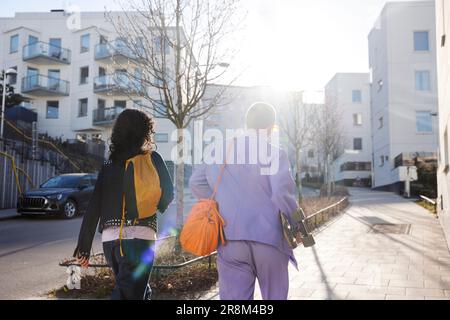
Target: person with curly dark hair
point(131, 188)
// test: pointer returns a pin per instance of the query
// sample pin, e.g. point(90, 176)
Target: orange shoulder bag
point(204, 226)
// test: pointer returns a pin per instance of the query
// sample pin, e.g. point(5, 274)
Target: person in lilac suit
point(251, 196)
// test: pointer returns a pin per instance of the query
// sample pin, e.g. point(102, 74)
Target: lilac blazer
point(249, 201)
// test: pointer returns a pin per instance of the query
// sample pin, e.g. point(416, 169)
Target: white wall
point(394, 62)
point(443, 63)
point(339, 93)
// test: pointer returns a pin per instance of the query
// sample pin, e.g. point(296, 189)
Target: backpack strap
point(222, 171)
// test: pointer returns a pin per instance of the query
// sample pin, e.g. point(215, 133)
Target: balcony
point(106, 117)
point(45, 53)
point(409, 159)
point(117, 50)
point(119, 83)
point(40, 85)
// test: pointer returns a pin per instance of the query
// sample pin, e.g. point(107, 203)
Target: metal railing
point(106, 115)
point(317, 219)
point(46, 50)
point(57, 151)
point(113, 48)
point(117, 82)
point(45, 84)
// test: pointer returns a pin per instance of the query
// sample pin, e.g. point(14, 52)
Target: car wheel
point(70, 209)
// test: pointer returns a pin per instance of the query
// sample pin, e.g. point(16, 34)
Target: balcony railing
point(41, 52)
point(113, 49)
point(117, 83)
point(41, 85)
point(106, 116)
point(408, 159)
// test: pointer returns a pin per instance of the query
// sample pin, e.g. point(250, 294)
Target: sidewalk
point(351, 261)
point(8, 214)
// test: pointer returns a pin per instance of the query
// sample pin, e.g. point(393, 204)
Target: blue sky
point(295, 44)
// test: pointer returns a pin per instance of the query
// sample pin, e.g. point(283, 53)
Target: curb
point(5, 215)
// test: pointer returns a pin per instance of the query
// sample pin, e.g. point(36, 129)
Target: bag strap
point(222, 171)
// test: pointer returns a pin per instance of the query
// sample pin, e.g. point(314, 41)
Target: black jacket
point(107, 200)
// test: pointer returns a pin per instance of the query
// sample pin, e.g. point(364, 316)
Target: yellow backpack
point(148, 190)
point(147, 186)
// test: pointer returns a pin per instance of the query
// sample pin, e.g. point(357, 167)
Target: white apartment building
point(349, 94)
point(69, 74)
point(402, 58)
point(443, 63)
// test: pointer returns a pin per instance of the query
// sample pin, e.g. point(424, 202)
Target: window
point(53, 80)
point(32, 39)
point(159, 42)
point(82, 108)
point(85, 43)
point(101, 104)
point(356, 96)
point(14, 44)
point(13, 77)
point(357, 144)
point(381, 161)
point(380, 123)
point(84, 75)
point(97, 136)
point(423, 81)
point(55, 48)
point(162, 137)
point(52, 109)
point(82, 137)
point(101, 72)
point(357, 119)
point(421, 41)
point(424, 122)
point(120, 105)
point(311, 154)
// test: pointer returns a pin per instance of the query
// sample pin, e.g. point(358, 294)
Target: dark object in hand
point(299, 233)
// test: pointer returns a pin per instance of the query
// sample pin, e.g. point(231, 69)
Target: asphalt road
point(30, 251)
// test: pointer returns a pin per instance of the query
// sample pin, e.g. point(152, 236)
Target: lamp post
point(9, 72)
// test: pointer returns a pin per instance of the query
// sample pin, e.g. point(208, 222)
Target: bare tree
point(179, 47)
point(328, 137)
point(296, 123)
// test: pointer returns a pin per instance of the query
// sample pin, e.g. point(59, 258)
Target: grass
point(430, 207)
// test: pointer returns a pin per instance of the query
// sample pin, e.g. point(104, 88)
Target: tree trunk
point(328, 177)
point(180, 179)
point(299, 175)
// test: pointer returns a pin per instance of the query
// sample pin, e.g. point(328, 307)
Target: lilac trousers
point(240, 263)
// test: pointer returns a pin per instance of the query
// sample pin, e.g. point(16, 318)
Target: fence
point(317, 219)
point(18, 175)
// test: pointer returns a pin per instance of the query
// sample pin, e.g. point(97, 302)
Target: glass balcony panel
point(47, 51)
point(114, 48)
point(43, 85)
point(106, 116)
point(119, 82)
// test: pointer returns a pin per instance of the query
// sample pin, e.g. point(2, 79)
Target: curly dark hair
point(132, 135)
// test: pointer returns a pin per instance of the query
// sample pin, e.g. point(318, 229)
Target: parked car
point(66, 195)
